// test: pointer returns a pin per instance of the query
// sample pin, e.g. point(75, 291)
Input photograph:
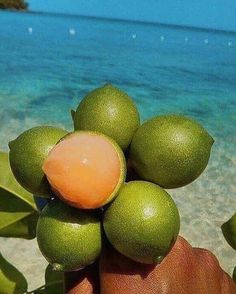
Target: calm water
point(45, 71)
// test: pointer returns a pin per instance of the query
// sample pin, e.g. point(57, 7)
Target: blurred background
point(169, 56)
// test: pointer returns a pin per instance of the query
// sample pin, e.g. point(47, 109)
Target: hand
point(185, 270)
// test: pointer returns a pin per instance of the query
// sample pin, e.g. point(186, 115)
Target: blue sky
point(219, 14)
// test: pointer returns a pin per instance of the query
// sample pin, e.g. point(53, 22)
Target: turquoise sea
point(49, 62)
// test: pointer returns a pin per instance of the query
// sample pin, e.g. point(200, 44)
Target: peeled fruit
point(229, 231)
point(85, 169)
point(185, 270)
point(69, 238)
point(110, 111)
point(142, 222)
point(27, 154)
point(170, 150)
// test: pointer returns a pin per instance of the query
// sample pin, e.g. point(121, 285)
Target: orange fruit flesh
point(83, 169)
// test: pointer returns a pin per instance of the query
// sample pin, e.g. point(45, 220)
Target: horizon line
point(145, 22)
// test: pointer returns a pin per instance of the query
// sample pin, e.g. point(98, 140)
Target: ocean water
point(49, 62)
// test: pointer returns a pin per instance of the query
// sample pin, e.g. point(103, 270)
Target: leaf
point(234, 275)
point(54, 280)
point(54, 283)
point(18, 213)
point(9, 183)
point(11, 280)
point(24, 228)
point(40, 291)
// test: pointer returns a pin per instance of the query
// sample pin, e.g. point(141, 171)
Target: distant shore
point(13, 5)
point(13, 10)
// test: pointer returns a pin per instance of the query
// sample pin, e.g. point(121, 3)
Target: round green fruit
point(27, 154)
point(229, 231)
point(234, 275)
point(143, 222)
point(110, 111)
point(170, 150)
point(69, 238)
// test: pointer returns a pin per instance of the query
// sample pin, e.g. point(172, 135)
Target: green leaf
point(234, 275)
point(11, 280)
point(54, 283)
point(9, 183)
point(24, 228)
point(40, 291)
point(54, 280)
point(18, 213)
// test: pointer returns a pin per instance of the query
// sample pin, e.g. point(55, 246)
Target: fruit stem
point(57, 267)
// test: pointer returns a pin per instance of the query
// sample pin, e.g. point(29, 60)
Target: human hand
point(185, 270)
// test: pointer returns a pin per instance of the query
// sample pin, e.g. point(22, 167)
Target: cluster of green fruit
point(110, 174)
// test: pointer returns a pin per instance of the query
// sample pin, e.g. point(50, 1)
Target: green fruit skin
point(170, 150)
point(229, 231)
point(110, 111)
point(69, 238)
point(27, 154)
point(11, 280)
point(234, 275)
point(142, 222)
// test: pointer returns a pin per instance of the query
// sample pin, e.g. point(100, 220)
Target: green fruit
point(234, 275)
point(69, 238)
point(229, 231)
point(27, 154)
point(110, 111)
point(170, 150)
point(11, 280)
point(143, 222)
